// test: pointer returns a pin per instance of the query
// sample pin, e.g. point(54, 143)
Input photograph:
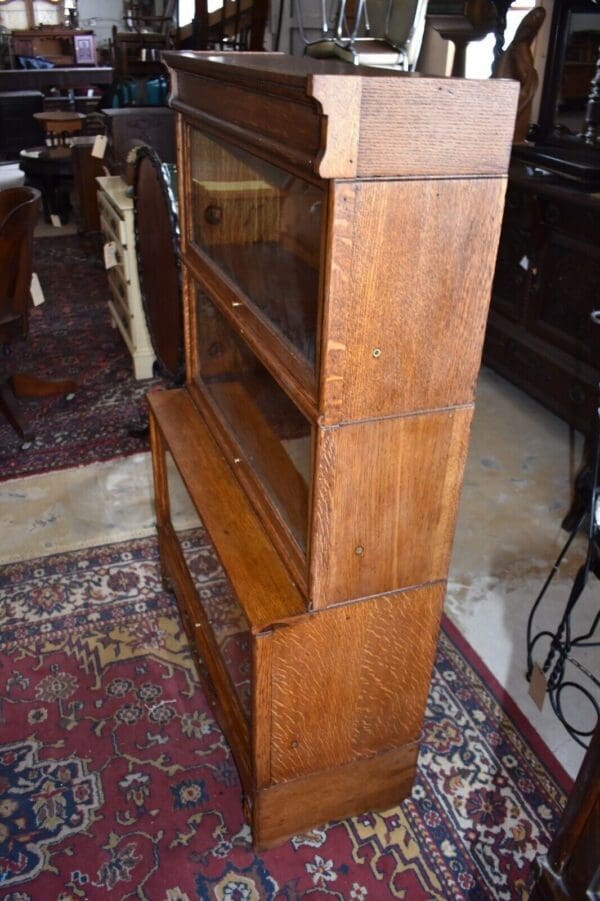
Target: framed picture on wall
point(85, 49)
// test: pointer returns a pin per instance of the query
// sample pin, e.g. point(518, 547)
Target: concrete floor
point(516, 491)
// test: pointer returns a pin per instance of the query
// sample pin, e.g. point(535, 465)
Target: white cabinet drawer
point(121, 253)
point(109, 215)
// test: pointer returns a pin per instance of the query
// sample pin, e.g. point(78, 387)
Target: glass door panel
point(262, 227)
point(273, 437)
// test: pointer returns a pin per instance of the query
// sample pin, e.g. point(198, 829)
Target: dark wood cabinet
point(137, 53)
point(86, 168)
point(338, 245)
point(18, 128)
point(571, 868)
point(127, 128)
point(540, 335)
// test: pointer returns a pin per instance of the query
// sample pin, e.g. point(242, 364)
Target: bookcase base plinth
point(290, 808)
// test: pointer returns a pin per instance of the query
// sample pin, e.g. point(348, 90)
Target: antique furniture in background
point(375, 32)
point(138, 53)
point(27, 91)
point(115, 206)
point(539, 334)
point(462, 22)
point(144, 17)
point(86, 169)
point(157, 250)
point(18, 128)
point(571, 65)
point(50, 169)
point(58, 125)
point(61, 79)
point(60, 46)
point(126, 128)
point(571, 868)
point(338, 231)
point(19, 210)
point(231, 25)
point(546, 285)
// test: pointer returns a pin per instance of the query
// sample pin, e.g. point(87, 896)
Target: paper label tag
point(99, 148)
point(538, 686)
point(524, 263)
point(37, 295)
point(55, 220)
point(110, 255)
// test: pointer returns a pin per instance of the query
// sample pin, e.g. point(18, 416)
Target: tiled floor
point(516, 491)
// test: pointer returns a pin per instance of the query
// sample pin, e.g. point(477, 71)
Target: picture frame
point(85, 49)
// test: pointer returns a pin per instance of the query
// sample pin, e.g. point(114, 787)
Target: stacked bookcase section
point(339, 232)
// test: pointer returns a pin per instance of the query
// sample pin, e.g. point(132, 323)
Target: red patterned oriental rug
point(115, 781)
point(71, 336)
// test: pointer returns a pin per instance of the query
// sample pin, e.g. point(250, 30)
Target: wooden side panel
point(385, 501)
point(262, 647)
point(446, 126)
point(406, 318)
point(352, 681)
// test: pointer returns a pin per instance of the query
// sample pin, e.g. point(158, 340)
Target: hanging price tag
point(110, 255)
point(37, 295)
point(538, 686)
point(99, 148)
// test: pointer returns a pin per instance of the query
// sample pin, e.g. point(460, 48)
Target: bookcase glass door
point(272, 435)
point(261, 226)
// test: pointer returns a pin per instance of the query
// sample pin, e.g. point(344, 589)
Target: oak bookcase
point(339, 229)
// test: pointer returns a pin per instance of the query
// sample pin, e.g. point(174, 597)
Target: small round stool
point(59, 124)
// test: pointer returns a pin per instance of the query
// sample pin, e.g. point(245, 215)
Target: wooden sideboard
point(539, 333)
point(46, 79)
point(338, 231)
point(60, 46)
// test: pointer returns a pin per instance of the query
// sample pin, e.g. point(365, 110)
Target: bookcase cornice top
point(342, 121)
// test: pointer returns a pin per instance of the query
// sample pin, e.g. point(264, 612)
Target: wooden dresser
point(338, 241)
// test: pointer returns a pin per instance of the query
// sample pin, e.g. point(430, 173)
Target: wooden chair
point(385, 33)
point(231, 25)
point(163, 24)
point(19, 212)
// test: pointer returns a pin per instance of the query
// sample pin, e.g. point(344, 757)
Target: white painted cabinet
point(117, 224)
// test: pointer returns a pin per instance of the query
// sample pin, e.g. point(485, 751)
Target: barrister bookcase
point(338, 230)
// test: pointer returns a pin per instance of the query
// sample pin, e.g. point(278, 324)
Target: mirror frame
point(545, 130)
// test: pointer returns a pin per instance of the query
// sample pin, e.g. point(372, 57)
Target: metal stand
point(562, 642)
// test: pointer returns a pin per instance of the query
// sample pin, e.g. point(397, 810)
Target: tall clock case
point(338, 242)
